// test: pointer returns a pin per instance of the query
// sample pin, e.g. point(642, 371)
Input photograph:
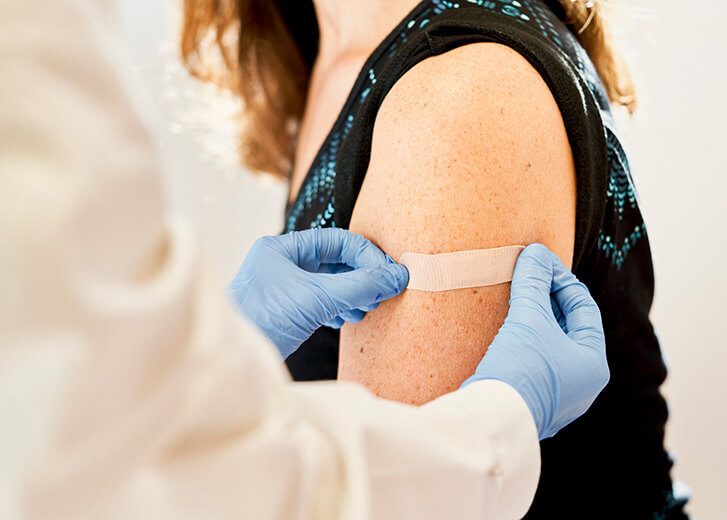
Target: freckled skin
point(446, 177)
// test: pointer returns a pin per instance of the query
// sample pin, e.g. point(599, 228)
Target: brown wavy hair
point(264, 50)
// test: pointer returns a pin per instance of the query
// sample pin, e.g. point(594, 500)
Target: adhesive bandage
point(461, 269)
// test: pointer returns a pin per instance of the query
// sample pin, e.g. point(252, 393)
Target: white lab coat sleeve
point(469, 454)
point(128, 386)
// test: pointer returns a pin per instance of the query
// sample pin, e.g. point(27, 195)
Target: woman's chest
point(329, 90)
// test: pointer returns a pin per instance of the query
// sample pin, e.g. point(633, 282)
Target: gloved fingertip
point(402, 276)
point(536, 256)
point(335, 323)
point(533, 274)
point(537, 250)
point(396, 278)
point(369, 308)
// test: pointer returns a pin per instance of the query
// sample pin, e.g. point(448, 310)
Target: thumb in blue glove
point(291, 285)
point(551, 348)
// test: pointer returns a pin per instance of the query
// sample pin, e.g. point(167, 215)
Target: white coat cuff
point(506, 423)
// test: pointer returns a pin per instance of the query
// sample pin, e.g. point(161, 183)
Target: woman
point(492, 127)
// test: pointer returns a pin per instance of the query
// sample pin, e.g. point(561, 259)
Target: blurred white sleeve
point(128, 386)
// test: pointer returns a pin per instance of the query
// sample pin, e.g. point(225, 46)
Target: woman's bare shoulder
point(469, 151)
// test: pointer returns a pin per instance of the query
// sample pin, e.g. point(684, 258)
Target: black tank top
point(611, 462)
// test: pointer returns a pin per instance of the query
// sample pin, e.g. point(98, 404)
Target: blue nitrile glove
point(551, 348)
point(291, 285)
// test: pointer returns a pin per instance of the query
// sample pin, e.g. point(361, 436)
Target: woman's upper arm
point(469, 151)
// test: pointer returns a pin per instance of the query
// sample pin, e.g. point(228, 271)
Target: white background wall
point(677, 143)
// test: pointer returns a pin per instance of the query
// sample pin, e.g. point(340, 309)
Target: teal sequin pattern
point(624, 224)
point(618, 252)
point(620, 189)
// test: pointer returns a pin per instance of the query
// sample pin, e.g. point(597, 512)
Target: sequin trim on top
point(626, 227)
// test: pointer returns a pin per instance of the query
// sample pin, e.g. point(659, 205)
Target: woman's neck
point(355, 25)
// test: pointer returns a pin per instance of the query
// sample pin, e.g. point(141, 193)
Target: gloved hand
point(291, 285)
point(551, 348)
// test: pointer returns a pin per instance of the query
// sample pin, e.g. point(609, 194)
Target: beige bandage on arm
point(461, 269)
